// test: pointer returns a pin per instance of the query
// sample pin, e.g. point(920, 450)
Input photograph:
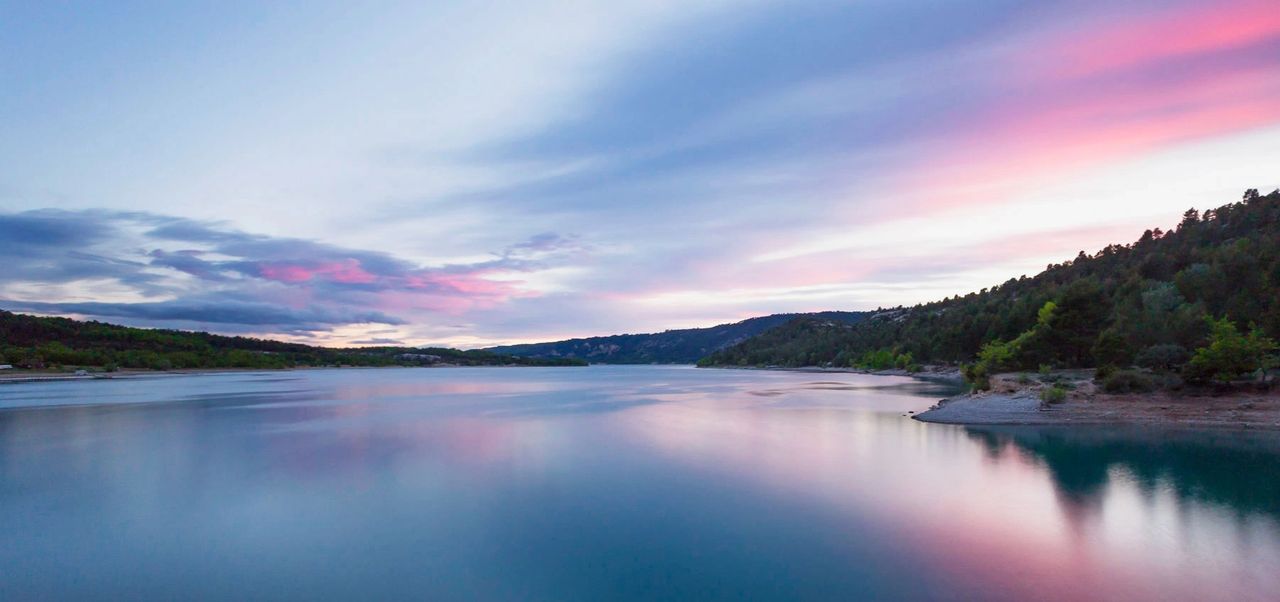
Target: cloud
point(215, 312)
point(48, 228)
point(1140, 40)
point(185, 271)
point(378, 341)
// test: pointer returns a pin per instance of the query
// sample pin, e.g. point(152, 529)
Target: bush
point(877, 360)
point(1168, 381)
point(976, 375)
point(1128, 381)
point(1054, 394)
point(1102, 373)
point(1229, 354)
point(997, 356)
point(1163, 357)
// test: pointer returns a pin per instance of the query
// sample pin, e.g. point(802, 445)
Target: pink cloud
point(285, 273)
point(399, 287)
point(1039, 142)
point(350, 271)
point(347, 271)
point(1139, 39)
point(1049, 125)
point(467, 283)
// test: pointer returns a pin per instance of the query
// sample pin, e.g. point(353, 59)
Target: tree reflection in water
point(1235, 470)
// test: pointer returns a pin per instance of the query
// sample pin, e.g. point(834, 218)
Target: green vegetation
point(684, 346)
point(1128, 381)
point(1145, 303)
point(884, 359)
point(1053, 394)
point(1229, 354)
point(1165, 358)
point(36, 342)
point(809, 340)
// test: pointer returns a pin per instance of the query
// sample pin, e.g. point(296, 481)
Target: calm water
point(606, 483)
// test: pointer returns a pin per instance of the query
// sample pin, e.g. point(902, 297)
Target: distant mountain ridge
point(684, 346)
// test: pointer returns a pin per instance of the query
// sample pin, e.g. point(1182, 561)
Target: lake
point(637, 482)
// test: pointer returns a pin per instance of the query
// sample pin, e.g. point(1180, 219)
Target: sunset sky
point(469, 174)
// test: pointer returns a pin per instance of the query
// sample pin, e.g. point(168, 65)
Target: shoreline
point(26, 377)
point(1240, 410)
point(1013, 404)
point(38, 377)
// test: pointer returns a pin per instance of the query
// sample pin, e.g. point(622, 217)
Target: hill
point(1155, 302)
point(684, 346)
point(37, 342)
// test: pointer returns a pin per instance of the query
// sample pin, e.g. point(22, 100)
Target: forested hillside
point(38, 342)
point(1155, 303)
point(684, 346)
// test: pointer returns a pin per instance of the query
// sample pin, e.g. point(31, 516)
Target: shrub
point(1102, 373)
point(1229, 354)
point(1128, 381)
point(976, 375)
point(1054, 394)
point(996, 356)
point(1163, 357)
point(1168, 381)
point(877, 360)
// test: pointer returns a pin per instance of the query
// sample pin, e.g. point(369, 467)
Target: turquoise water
point(607, 483)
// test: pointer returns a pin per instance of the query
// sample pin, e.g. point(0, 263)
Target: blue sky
point(477, 173)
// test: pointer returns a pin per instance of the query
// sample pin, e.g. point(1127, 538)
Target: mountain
point(32, 341)
point(1152, 302)
point(684, 346)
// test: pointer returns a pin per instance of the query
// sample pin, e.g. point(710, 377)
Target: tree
point(1229, 354)
point(1112, 350)
point(1076, 320)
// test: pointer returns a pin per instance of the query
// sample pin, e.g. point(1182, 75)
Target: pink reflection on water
point(981, 515)
point(428, 391)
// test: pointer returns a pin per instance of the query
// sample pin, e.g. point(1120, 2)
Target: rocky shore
point(1014, 403)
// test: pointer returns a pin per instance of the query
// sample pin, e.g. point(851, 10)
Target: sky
point(482, 173)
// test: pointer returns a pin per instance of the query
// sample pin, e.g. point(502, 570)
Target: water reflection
point(1238, 471)
point(607, 483)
